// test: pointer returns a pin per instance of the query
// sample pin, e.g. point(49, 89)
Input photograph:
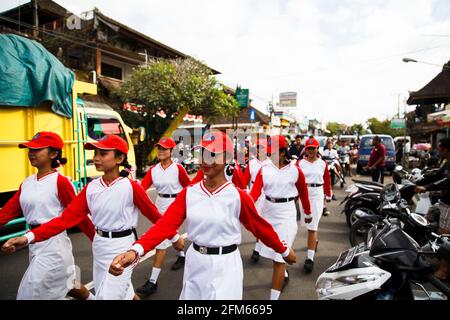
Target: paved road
point(333, 234)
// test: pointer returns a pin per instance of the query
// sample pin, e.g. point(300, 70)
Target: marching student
point(213, 210)
point(169, 178)
point(114, 202)
point(41, 197)
point(282, 182)
point(252, 169)
point(318, 181)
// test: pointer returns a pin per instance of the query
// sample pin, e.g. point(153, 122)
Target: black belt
point(278, 200)
point(206, 250)
point(314, 185)
point(118, 234)
point(34, 226)
point(162, 195)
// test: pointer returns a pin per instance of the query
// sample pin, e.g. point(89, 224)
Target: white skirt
point(283, 218)
point(212, 277)
point(162, 204)
point(316, 200)
point(107, 286)
point(51, 272)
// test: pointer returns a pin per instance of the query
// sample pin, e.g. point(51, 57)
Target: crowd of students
point(213, 206)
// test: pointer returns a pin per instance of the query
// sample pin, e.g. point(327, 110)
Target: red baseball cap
point(44, 139)
point(216, 142)
point(276, 141)
point(108, 142)
point(166, 143)
point(311, 142)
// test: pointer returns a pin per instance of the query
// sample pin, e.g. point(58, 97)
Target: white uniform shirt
point(166, 181)
point(332, 154)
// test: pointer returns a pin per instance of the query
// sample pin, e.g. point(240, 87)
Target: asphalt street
point(333, 235)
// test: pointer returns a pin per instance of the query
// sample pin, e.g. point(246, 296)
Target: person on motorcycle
point(344, 157)
point(329, 153)
point(441, 182)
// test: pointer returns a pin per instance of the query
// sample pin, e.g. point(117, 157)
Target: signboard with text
point(242, 97)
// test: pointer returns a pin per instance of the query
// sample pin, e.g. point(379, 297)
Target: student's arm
point(66, 194)
point(257, 225)
point(183, 176)
point(166, 227)
point(238, 177)
point(256, 190)
point(11, 210)
point(247, 176)
point(147, 181)
point(73, 215)
point(327, 181)
point(303, 191)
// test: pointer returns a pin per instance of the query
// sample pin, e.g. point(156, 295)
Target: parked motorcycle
point(388, 266)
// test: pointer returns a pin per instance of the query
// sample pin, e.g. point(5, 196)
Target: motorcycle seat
point(368, 183)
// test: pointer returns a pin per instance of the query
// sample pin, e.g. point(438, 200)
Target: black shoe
point(333, 197)
point(309, 264)
point(255, 256)
point(179, 263)
point(326, 212)
point(147, 289)
point(286, 280)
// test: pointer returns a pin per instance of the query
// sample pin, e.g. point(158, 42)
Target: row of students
point(114, 202)
point(278, 178)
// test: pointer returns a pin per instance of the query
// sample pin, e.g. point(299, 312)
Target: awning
point(441, 117)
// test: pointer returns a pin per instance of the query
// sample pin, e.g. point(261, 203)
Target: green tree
point(335, 128)
point(383, 127)
point(172, 86)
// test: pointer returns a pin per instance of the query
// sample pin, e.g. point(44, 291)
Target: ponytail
point(59, 160)
point(287, 155)
point(127, 167)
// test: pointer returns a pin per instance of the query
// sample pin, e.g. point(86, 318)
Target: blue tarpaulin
point(31, 76)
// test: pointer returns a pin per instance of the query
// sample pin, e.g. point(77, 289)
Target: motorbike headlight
point(326, 286)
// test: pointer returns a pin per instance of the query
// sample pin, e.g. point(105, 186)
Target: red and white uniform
point(319, 184)
point(252, 169)
point(51, 271)
point(213, 219)
point(114, 207)
point(287, 182)
point(166, 181)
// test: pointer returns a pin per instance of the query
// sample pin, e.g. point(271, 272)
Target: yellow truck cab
point(18, 124)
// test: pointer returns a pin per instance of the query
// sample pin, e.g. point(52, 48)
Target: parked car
point(365, 147)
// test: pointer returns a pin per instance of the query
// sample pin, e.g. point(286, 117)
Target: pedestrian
point(51, 271)
point(296, 147)
point(169, 178)
point(377, 160)
point(252, 169)
point(213, 210)
point(282, 181)
point(318, 181)
point(114, 202)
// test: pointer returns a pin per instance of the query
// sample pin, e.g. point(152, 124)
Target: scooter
point(386, 268)
point(335, 174)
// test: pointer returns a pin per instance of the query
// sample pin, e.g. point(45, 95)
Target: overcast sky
point(342, 57)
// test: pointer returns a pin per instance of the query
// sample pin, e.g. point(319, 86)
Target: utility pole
point(35, 31)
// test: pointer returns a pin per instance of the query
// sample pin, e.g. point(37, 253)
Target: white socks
point(155, 275)
point(90, 297)
point(274, 294)
point(258, 246)
point(311, 254)
point(180, 254)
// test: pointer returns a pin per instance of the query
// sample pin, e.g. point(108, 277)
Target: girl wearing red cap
point(213, 210)
point(251, 170)
point(41, 197)
point(114, 202)
point(319, 184)
point(169, 178)
point(282, 182)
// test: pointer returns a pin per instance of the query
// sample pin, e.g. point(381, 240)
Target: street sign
point(242, 97)
point(252, 115)
point(398, 123)
point(288, 99)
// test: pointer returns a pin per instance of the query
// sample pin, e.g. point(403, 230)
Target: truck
point(21, 117)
